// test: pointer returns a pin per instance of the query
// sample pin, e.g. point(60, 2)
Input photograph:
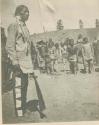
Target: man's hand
point(16, 69)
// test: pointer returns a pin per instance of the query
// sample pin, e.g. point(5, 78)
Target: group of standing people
point(69, 51)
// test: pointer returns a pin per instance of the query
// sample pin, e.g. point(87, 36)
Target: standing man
point(51, 52)
point(88, 54)
point(79, 46)
point(19, 48)
point(72, 57)
point(96, 50)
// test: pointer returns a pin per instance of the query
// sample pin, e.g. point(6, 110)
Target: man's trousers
point(20, 93)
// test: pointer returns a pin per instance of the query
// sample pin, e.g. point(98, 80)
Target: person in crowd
point(57, 51)
point(18, 47)
point(88, 54)
point(96, 50)
point(42, 51)
point(72, 57)
point(52, 54)
point(97, 53)
point(60, 52)
point(79, 46)
point(48, 64)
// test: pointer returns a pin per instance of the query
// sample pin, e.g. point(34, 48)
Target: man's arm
point(92, 49)
point(11, 42)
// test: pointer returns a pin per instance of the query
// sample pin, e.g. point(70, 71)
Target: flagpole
point(41, 22)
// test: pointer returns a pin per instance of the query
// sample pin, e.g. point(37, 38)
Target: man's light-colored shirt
point(18, 46)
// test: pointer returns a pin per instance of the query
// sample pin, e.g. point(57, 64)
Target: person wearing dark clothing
point(72, 57)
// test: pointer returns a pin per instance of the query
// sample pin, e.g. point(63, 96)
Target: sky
point(70, 11)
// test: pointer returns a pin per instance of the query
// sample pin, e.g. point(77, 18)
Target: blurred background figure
point(96, 50)
point(79, 46)
point(88, 55)
point(52, 54)
point(72, 57)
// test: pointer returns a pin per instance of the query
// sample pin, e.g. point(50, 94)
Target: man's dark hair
point(19, 9)
point(85, 38)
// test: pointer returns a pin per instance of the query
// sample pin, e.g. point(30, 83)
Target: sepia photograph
point(49, 61)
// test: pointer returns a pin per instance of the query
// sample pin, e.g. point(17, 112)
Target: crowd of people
point(49, 54)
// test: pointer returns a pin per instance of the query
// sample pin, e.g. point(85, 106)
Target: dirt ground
point(68, 98)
